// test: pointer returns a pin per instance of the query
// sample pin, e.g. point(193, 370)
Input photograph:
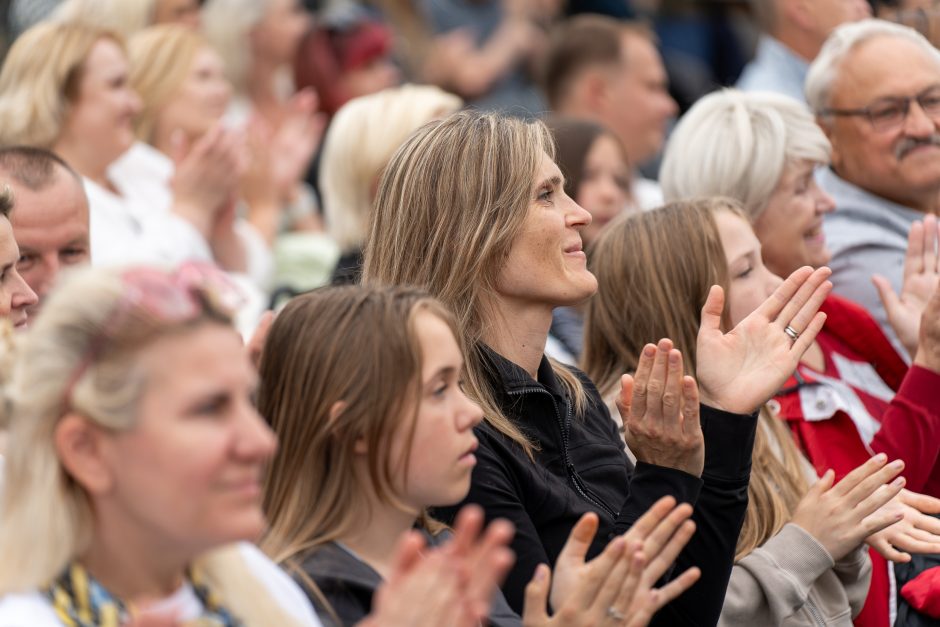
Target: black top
point(348, 584)
point(582, 466)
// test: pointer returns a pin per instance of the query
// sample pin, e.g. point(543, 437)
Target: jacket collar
point(332, 561)
point(508, 377)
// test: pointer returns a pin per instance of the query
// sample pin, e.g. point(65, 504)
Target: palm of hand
point(906, 313)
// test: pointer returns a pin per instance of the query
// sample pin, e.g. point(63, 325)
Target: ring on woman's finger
point(614, 613)
point(790, 331)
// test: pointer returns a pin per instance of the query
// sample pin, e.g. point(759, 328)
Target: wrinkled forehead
point(871, 71)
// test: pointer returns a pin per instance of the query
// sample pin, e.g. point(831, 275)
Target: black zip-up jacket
point(348, 585)
point(581, 466)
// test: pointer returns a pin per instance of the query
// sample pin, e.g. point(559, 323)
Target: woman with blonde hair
point(370, 444)
point(852, 393)
point(363, 136)
point(76, 101)
point(133, 467)
point(473, 209)
point(800, 558)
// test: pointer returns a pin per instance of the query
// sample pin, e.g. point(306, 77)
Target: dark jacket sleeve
point(719, 511)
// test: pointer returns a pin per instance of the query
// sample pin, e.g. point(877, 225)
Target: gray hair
point(737, 144)
point(841, 42)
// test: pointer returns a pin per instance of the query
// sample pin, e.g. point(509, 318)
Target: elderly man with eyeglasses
point(875, 89)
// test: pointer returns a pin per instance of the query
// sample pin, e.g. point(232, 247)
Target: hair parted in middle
point(648, 291)
point(450, 205)
point(341, 365)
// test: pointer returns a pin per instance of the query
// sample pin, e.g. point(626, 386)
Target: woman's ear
point(78, 444)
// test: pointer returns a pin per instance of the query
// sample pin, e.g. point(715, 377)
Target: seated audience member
point(361, 140)
point(50, 223)
point(792, 32)
point(800, 559)
point(134, 466)
point(16, 297)
point(369, 445)
point(597, 176)
point(126, 17)
point(473, 209)
point(82, 108)
point(885, 172)
point(852, 392)
point(610, 72)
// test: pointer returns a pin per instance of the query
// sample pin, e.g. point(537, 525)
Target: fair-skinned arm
point(920, 278)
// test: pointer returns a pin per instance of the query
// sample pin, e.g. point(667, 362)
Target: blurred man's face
point(51, 229)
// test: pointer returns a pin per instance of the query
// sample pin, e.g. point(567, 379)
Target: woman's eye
point(746, 273)
point(545, 194)
point(440, 390)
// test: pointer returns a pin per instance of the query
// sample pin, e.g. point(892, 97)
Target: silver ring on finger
point(615, 614)
point(792, 333)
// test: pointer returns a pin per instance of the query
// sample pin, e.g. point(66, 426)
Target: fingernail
point(881, 458)
point(649, 350)
point(897, 464)
point(898, 482)
point(674, 357)
point(540, 572)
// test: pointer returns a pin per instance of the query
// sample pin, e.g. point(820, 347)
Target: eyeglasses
point(889, 114)
point(173, 297)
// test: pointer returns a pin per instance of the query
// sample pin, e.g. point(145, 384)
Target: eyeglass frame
point(903, 101)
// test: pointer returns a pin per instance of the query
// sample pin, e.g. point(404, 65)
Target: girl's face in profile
point(750, 281)
point(442, 443)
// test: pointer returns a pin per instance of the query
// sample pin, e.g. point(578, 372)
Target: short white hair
point(737, 144)
point(363, 136)
point(822, 73)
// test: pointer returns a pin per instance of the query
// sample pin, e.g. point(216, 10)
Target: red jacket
point(910, 426)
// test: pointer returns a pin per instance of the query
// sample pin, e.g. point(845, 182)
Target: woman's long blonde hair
point(654, 271)
point(40, 78)
point(46, 517)
point(449, 207)
point(161, 58)
point(341, 366)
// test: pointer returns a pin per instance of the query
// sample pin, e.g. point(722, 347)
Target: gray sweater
point(792, 581)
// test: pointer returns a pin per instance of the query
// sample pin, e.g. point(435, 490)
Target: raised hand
point(840, 517)
point(206, 176)
point(660, 411)
point(917, 532)
point(295, 141)
point(616, 585)
point(928, 348)
point(921, 275)
point(740, 370)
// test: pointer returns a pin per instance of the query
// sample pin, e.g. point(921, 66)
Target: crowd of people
point(439, 313)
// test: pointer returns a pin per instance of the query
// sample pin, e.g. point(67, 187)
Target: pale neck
point(82, 158)
point(375, 538)
point(803, 44)
point(131, 565)
point(518, 331)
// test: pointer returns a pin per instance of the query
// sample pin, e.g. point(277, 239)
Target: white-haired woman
point(852, 393)
point(363, 135)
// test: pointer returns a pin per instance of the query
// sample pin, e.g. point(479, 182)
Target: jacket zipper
point(579, 487)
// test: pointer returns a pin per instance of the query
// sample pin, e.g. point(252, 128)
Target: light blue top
point(866, 234)
point(775, 68)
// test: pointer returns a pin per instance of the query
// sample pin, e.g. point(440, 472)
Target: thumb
point(824, 484)
point(625, 401)
point(579, 540)
point(886, 293)
point(711, 311)
point(536, 598)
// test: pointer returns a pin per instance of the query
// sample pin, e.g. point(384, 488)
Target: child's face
point(441, 459)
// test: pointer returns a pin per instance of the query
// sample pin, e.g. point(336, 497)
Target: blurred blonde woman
point(362, 137)
point(76, 100)
point(133, 468)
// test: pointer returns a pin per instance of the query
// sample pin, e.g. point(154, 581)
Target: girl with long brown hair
point(800, 557)
point(473, 209)
point(363, 387)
